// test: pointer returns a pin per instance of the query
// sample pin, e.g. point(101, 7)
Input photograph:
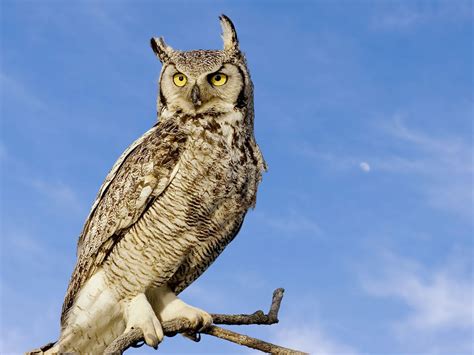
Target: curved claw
point(140, 315)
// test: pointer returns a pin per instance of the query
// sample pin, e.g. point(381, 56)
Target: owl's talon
point(196, 337)
point(174, 308)
point(138, 344)
point(151, 340)
point(140, 315)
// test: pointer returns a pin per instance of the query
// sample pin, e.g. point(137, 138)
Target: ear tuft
point(229, 35)
point(161, 49)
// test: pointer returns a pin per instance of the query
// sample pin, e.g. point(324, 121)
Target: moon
point(364, 166)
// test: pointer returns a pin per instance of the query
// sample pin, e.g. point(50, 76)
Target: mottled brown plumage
point(149, 162)
point(171, 203)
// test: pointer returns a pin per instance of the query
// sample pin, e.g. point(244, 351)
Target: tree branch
point(135, 336)
point(249, 341)
point(255, 318)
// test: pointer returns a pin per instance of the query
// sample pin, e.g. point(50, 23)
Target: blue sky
point(364, 115)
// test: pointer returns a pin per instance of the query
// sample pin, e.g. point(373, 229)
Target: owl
point(171, 203)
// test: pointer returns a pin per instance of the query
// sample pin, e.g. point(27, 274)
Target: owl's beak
point(196, 95)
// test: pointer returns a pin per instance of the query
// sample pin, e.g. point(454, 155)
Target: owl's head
point(201, 81)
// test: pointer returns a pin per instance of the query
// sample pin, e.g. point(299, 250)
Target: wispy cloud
point(403, 15)
point(39, 315)
point(296, 332)
point(452, 151)
point(444, 164)
point(14, 89)
point(59, 194)
point(105, 17)
point(439, 300)
point(310, 339)
point(207, 296)
point(23, 243)
point(11, 340)
point(402, 19)
point(22, 248)
point(292, 223)
point(333, 160)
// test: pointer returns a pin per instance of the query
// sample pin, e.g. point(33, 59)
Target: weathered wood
point(250, 342)
point(134, 338)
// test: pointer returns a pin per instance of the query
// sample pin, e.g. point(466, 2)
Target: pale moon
point(365, 167)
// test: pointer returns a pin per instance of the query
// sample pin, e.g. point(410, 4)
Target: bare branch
point(249, 341)
point(134, 338)
point(255, 318)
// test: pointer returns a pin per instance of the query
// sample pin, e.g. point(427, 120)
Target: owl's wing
point(140, 175)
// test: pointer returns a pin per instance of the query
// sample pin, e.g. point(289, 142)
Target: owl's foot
point(169, 307)
point(176, 309)
point(140, 315)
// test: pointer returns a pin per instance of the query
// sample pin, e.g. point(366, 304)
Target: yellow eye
point(218, 79)
point(180, 79)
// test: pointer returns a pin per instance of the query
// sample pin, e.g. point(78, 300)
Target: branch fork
point(134, 338)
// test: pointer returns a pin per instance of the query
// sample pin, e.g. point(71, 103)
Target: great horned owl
point(171, 203)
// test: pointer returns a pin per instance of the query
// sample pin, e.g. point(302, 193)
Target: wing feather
point(108, 180)
point(140, 175)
